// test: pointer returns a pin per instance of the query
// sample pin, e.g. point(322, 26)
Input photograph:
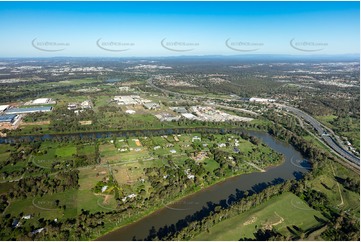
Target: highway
point(327, 137)
point(330, 141)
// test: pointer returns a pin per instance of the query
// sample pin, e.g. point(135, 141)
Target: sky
point(144, 29)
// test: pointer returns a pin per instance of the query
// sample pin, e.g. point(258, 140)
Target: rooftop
point(41, 100)
point(7, 118)
point(28, 110)
point(3, 107)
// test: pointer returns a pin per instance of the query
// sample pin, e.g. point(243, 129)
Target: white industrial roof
point(3, 107)
point(41, 100)
point(188, 115)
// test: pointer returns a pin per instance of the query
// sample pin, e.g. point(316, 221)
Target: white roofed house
point(129, 111)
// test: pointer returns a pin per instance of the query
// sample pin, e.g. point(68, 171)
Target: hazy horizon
point(161, 29)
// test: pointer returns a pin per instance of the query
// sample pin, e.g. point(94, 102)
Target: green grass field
point(335, 192)
point(326, 120)
point(65, 151)
point(279, 212)
point(46, 206)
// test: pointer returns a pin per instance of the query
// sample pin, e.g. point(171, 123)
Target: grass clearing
point(279, 212)
point(46, 206)
point(65, 151)
point(327, 184)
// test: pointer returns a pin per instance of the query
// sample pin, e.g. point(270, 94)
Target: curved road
point(330, 141)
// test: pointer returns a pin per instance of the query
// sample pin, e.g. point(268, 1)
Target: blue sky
point(40, 29)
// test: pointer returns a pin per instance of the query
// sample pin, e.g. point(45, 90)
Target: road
point(329, 140)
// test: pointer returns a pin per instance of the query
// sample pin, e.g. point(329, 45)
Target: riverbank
point(215, 193)
point(179, 199)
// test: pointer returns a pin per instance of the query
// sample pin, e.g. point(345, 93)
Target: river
point(293, 168)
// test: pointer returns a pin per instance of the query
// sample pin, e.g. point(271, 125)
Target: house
point(221, 145)
point(190, 176)
point(37, 231)
point(129, 196)
point(196, 138)
point(129, 111)
point(104, 188)
point(87, 104)
point(72, 106)
point(16, 223)
point(173, 151)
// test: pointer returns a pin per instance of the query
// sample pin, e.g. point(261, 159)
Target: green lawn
point(89, 201)
point(210, 165)
point(45, 206)
point(326, 120)
point(65, 151)
point(285, 210)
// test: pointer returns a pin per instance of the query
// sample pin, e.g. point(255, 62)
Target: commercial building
point(28, 110)
point(129, 111)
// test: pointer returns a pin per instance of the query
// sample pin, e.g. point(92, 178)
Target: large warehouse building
point(8, 118)
point(28, 110)
point(3, 108)
point(9, 121)
point(40, 101)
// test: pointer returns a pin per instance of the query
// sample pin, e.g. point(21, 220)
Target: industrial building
point(87, 104)
point(189, 116)
point(28, 110)
point(9, 121)
point(40, 101)
point(127, 100)
point(261, 100)
point(179, 109)
point(130, 100)
point(167, 117)
point(3, 108)
point(8, 118)
point(151, 105)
